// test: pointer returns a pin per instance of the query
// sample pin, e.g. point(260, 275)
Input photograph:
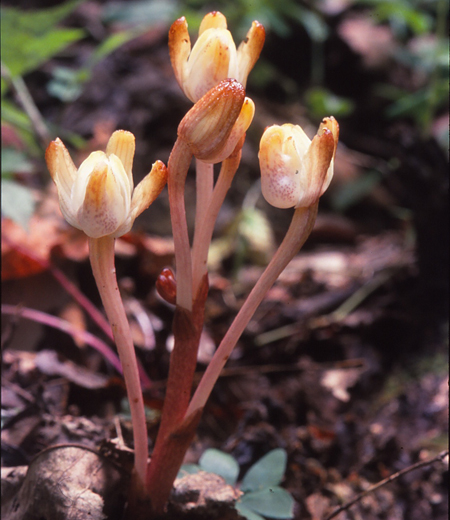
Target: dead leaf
point(340, 380)
point(48, 362)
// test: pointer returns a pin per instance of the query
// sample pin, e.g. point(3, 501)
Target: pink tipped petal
point(214, 20)
point(179, 48)
point(148, 189)
point(249, 50)
point(122, 144)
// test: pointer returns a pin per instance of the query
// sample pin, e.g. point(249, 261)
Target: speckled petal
point(279, 171)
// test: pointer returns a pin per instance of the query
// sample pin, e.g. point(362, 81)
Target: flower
point(215, 124)
point(98, 198)
point(214, 56)
point(296, 171)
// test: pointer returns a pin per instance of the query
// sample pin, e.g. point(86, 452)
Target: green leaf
point(353, 192)
point(29, 38)
point(274, 502)
point(220, 463)
point(140, 12)
point(267, 472)
point(17, 202)
point(14, 161)
point(321, 102)
point(247, 513)
point(188, 469)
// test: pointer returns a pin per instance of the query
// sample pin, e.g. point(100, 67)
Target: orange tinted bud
point(208, 125)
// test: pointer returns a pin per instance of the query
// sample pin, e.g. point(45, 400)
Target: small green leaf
point(353, 192)
point(220, 463)
point(321, 102)
point(139, 12)
point(29, 38)
point(17, 202)
point(14, 161)
point(247, 513)
point(188, 469)
point(274, 502)
point(268, 471)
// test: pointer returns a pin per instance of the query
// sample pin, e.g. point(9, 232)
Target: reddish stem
point(101, 254)
point(299, 230)
point(167, 455)
point(178, 166)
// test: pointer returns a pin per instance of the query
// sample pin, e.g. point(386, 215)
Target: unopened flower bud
point(296, 171)
point(208, 127)
point(166, 286)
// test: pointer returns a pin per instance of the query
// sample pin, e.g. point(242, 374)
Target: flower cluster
point(100, 199)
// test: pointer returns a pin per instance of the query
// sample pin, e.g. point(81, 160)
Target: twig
point(29, 106)
point(395, 476)
point(65, 326)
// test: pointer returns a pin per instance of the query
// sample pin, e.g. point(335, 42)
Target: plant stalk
point(101, 254)
point(178, 166)
point(205, 226)
point(299, 230)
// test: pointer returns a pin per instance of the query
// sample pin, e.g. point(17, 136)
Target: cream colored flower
point(296, 171)
point(99, 198)
point(214, 56)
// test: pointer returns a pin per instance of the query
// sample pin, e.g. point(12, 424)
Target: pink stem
point(101, 254)
point(299, 230)
point(205, 226)
point(65, 326)
point(178, 166)
point(204, 186)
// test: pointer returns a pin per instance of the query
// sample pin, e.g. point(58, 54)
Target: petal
point(63, 172)
point(249, 50)
point(122, 144)
point(240, 127)
point(214, 20)
point(179, 49)
point(103, 208)
point(148, 189)
point(122, 180)
point(279, 171)
point(207, 126)
point(317, 163)
point(209, 63)
point(84, 172)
